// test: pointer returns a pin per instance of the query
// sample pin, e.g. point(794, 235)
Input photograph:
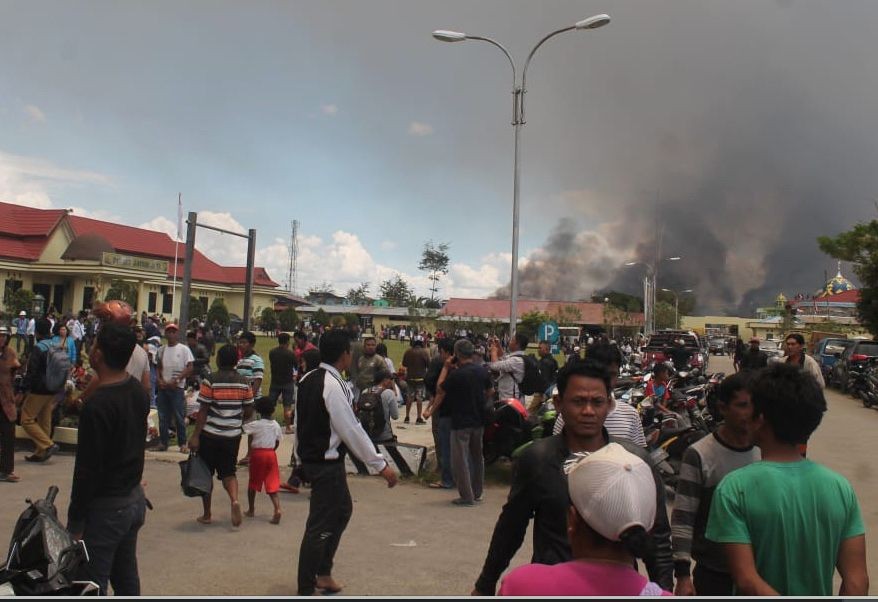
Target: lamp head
point(675, 258)
point(667, 290)
point(444, 35)
point(593, 22)
point(630, 263)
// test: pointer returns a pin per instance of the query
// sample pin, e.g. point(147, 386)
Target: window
point(204, 304)
point(88, 297)
point(152, 301)
point(9, 289)
point(167, 301)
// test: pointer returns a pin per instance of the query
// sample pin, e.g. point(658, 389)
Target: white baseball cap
point(613, 490)
point(22, 313)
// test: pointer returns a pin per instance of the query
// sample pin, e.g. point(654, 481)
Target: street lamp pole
point(649, 291)
point(518, 92)
point(677, 303)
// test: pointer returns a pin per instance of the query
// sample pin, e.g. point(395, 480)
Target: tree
point(218, 313)
point(323, 287)
point(623, 301)
point(20, 300)
point(196, 309)
point(530, 322)
point(397, 292)
point(664, 315)
point(320, 318)
point(568, 315)
point(122, 290)
point(358, 295)
point(268, 320)
point(859, 246)
point(434, 261)
point(288, 319)
point(350, 319)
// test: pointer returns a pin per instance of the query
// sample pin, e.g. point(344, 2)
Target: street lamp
point(677, 303)
point(518, 92)
point(649, 284)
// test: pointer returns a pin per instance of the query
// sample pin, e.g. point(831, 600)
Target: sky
point(728, 133)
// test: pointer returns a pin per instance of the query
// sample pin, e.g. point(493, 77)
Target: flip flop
point(437, 485)
point(275, 520)
point(10, 478)
point(236, 514)
point(204, 521)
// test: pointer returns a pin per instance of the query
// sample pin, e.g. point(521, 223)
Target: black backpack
point(370, 413)
point(533, 380)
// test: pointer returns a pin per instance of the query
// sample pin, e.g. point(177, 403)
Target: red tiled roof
point(124, 239)
point(24, 231)
point(851, 296)
point(590, 313)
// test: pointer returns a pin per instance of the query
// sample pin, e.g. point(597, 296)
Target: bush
point(288, 319)
point(268, 320)
point(218, 313)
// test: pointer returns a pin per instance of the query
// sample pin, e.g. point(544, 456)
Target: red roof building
point(70, 260)
point(580, 313)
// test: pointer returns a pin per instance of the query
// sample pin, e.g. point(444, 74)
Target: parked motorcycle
point(43, 558)
point(511, 430)
point(864, 384)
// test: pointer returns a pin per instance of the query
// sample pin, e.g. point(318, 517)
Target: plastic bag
point(195, 477)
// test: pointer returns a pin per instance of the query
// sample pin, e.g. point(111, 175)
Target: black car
point(717, 346)
point(855, 357)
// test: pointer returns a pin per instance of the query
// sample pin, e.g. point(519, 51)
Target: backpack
point(533, 380)
point(57, 367)
point(370, 413)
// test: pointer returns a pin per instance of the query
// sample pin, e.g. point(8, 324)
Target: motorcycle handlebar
point(50, 495)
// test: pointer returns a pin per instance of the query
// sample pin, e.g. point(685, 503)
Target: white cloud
point(35, 114)
point(31, 181)
point(330, 110)
point(388, 245)
point(416, 128)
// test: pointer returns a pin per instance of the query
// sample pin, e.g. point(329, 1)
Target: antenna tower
point(294, 255)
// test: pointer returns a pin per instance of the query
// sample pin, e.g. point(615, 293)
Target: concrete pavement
point(406, 541)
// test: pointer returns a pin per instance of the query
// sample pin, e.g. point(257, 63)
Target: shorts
point(417, 390)
point(287, 394)
point(264, 470)
point(220, 454)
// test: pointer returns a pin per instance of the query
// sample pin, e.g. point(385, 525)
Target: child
point(266, 435)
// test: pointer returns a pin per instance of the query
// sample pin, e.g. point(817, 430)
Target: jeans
point(171, 403)
point(153, 384)
point(444, 451)
point(110, 537)
point(7, 444)
point(467, 463)
point(328, 515)
point(708, 582)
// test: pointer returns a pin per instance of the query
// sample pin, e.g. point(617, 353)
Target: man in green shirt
point(786, 522)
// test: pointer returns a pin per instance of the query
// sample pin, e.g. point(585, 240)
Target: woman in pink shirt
point(612, 493)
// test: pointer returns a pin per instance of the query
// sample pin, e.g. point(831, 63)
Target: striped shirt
point(252, 368)
point(226, 394)
point(623, 422)
point(704, 465)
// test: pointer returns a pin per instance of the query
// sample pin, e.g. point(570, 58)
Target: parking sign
point(548, 331)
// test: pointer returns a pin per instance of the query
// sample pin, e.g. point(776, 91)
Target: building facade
point(70, 262)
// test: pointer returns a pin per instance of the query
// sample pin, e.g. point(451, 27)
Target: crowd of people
point(753, 514)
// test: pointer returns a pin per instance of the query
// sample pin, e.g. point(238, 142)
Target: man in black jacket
point(539, 487)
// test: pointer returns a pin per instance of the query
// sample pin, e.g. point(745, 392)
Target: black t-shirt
point(548, 368)
point(282, 360)
point(465, 396)
point(112, 440)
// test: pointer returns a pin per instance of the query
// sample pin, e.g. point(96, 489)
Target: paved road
point(405, 541)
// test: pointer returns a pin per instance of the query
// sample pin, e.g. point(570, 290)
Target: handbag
point(196, 478)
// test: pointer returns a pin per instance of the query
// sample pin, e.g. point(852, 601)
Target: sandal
point(204, 521)
point(236, 514)
point(437, 485)
point(9, 477)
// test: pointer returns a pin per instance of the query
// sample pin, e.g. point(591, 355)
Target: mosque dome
point(836, 285)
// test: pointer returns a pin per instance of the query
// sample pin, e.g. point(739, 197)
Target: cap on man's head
point(464, 348)
point(612, 490)
point(171, 326)
point(22, 313)
point(754, 339)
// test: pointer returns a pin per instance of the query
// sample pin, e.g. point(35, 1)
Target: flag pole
point(176, 249)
